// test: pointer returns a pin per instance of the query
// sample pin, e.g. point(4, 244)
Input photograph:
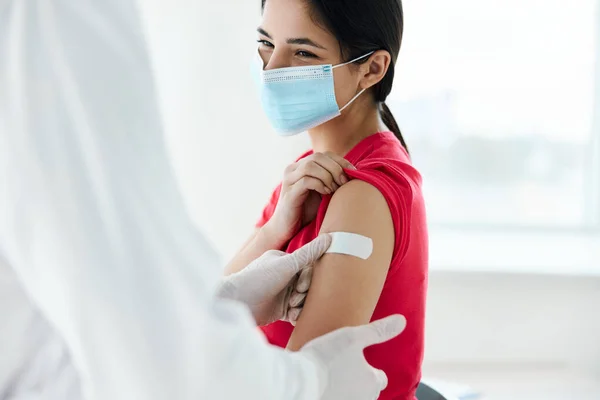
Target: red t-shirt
point(382, 162)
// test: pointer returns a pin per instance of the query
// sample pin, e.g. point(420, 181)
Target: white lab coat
point(93, 225)
point(34, 361)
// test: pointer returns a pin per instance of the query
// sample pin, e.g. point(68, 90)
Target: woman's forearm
point(263, 240)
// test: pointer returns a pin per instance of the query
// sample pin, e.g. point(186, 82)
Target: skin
point(344, 289)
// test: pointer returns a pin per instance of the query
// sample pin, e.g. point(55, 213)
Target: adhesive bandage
point(351, 244)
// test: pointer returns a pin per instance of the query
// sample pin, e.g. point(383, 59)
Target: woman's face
point(288, 37)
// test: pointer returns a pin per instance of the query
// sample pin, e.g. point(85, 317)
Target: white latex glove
point(346, 373)
point(296, 302)
point(267, 283)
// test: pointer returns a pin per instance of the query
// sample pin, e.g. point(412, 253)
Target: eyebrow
point(302, 41)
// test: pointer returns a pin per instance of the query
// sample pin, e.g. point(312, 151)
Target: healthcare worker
point(94, 229)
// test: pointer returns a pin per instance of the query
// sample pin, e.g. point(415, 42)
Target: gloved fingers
point(381, 378)
point(272, 255)
point(289, 292)
point(297, 299)
point(360, 336)
point(304, 280)
point(377, 332)
point(305, 256)
point(293, 315)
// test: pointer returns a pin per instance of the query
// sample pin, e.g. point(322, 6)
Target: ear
point(375, 68)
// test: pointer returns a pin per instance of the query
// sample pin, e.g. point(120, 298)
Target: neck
point(357, 122)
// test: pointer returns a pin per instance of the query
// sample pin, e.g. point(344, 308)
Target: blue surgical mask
point(296, 99)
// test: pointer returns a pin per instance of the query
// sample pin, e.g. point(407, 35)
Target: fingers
point(326, 167)
point(345, 164)
point(379, 331)
point(293, 315)
point(362, 336)
point(271, 255)
point(301, 288)
point(304, 280)
point(381, 378)
point(306, 255)
point(289, 265)
point(296, 299)
point(333, 167)
point(314, 170)
point(309, 183)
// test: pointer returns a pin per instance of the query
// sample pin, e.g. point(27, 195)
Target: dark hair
point(362, 26)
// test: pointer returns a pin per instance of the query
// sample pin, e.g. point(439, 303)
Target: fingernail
point(327, 190)
point(344, 179)
point(352, 167)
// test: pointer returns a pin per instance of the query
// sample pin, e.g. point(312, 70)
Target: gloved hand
point(299, 292)
point(267, 283)
point(344, 371)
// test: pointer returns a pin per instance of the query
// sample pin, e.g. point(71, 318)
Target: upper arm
point(345, 289)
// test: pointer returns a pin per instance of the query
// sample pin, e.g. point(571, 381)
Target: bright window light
point(496, 99)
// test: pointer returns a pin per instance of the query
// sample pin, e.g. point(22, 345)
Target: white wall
point(225, 154)
point(489, 319)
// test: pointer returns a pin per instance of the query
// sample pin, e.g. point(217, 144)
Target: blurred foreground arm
point(94, 226)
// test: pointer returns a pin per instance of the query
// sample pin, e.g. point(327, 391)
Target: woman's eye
point(306, 54)
point(265, 43)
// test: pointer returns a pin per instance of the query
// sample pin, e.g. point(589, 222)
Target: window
point(496, 99)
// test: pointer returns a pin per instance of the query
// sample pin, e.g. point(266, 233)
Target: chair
point(425, 391)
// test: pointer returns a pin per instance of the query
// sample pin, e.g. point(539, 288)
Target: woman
point(357, 177)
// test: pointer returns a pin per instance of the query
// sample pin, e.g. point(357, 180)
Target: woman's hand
point(304, 182)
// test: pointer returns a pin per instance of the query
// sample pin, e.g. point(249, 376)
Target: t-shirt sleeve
point(269, 209)
point(397, 189)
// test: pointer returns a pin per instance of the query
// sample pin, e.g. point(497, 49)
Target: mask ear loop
point(355, 60)
point(350, 62)
point(354, 98)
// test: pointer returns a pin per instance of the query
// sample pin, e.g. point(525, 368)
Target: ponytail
point(390, 122)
